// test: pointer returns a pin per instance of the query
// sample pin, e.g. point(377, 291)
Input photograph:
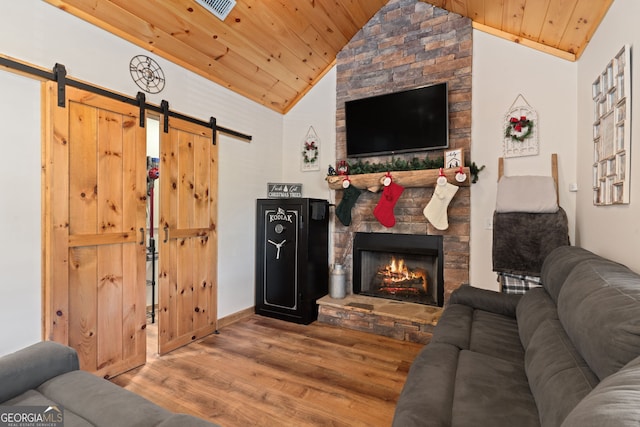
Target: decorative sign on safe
point(283, 190)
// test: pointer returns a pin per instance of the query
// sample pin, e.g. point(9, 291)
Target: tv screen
point(400, 122)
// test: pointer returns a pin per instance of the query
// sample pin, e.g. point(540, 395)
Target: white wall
point(20, 254)
point(611, 231)
point(316, 110)
point(501, 71)
point(41, 34)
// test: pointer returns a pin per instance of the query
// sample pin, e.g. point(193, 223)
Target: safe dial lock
point(279, 228)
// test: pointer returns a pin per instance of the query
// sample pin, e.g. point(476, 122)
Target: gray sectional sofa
point(566, 354)
point(47, 373)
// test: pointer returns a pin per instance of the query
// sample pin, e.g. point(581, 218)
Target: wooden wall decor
point(310, 160)
point(611, 92)
point(521, 130)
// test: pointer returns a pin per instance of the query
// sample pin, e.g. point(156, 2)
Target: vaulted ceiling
point(274, 51)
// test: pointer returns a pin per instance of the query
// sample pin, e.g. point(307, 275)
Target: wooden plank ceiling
point(274, 51)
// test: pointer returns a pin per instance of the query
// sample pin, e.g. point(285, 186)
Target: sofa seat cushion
point(480, 331)
point(101, 402)
point(491, 391)
point(558, 376)
point(598, 307)
point(496, 335)
point(427, 396)
point(614, 402)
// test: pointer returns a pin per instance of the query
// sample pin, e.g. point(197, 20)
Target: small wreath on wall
point(311, 151)
point(519, 128)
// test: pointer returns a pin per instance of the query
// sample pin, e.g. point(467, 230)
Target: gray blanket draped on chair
point(522, 240)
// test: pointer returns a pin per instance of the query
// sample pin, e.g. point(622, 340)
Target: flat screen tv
point(401, 122)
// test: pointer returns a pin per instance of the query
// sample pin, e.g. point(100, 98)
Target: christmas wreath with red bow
point(519, 129)
point(310, 147)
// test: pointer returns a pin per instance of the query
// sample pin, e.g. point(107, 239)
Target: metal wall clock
point(147, 74)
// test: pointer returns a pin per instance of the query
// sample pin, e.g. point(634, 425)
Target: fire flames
point(397, 277)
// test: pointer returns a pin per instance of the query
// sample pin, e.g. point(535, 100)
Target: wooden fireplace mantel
point(407, 179)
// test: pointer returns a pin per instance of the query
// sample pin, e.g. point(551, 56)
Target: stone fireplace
point(402, 267)
point(407, 44)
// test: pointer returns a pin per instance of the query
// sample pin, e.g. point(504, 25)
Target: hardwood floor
point(266, 372)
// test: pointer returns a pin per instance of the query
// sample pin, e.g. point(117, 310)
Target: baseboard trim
point(224, 321)
point(232, 318)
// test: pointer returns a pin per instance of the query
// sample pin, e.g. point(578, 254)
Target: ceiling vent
point(219, 8)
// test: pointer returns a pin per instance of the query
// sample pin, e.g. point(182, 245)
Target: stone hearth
point(396, 319)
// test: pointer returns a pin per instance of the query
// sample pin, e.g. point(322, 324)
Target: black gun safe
point(292, 251)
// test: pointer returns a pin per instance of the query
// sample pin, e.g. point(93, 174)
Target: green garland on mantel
point(414, 164)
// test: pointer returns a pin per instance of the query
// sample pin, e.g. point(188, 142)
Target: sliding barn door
point(188, 237)
point(94, 164)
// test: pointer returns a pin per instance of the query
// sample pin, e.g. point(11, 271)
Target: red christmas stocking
point(384, 209)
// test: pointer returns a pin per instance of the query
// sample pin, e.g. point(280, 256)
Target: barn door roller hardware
point(141, 103)
point(60, 76)
point(164, 107)
point(214, 126)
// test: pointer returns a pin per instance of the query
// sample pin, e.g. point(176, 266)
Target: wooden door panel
point(83, 181)
point(186, 190)
point(95, 254)
point(55, 228)
point(83, 326)
point(133, 335)
point(188, 252)
point(109, 305)
point(202, 250)
point(111, 197)
point(134, 252)
point(202, 283)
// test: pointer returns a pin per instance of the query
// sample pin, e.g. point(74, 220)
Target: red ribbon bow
point(518, 123)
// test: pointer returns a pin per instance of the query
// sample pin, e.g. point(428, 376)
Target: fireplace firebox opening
point(405, 267)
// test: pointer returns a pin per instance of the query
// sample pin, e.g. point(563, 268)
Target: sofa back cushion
point(31, 366)
point(558, 376)
point(614, 402)
point(535, 307)
point(558, 265)
point(599, 307)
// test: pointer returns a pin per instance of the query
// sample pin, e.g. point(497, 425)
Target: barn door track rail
point(59, 75)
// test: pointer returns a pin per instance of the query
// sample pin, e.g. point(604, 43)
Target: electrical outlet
point(488, 224)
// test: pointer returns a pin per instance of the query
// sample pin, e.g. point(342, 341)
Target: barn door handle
point(142, 238)
point(166, 234)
